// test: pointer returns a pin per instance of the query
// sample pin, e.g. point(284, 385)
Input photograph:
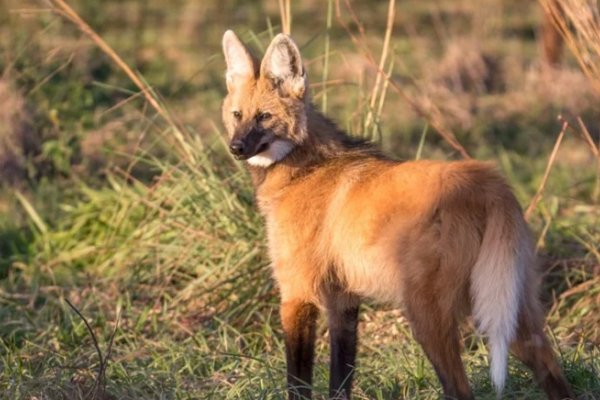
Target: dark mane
point(326, 143)
point(329, 140)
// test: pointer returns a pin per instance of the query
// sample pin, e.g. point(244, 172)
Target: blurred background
point(117, 193)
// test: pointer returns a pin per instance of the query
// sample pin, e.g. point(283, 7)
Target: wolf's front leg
point(343, 320)
point(299, 320)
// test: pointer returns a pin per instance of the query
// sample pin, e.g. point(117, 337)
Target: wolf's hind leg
point(438, 334)
point(532, 348)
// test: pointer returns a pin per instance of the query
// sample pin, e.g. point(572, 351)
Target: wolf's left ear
point(282, 65)
point(241, 65)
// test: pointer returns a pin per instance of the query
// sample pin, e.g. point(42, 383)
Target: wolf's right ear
point(282, 65)
point(241, 65)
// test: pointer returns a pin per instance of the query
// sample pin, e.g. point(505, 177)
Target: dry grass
point(149, 94)
point(466, 68)
point(578, 21)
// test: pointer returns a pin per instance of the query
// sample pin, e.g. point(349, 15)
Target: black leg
point(299, 320)
point(343, 322)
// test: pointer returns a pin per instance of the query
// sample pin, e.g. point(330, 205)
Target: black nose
point(236, 147)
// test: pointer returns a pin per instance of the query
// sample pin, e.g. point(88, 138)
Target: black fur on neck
point(325, 143)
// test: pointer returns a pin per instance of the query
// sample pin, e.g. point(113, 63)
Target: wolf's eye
point(263, 116)
point(237, 115)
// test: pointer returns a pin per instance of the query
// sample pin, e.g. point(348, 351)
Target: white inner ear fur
point(239, 62)
point(283, 61)
point(280, 62)
point(276, 152)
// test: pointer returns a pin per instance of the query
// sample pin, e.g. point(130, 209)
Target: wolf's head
point(266, 104)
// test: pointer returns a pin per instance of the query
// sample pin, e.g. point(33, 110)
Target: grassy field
point(132, 259)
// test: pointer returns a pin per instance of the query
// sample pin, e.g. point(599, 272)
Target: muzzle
point(250, 144)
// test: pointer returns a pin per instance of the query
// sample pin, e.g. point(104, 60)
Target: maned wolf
point(345, 222)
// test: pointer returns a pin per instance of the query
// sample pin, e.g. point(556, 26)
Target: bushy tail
point(497, 284)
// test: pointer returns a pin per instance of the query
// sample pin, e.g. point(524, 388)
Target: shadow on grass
point(14, 246)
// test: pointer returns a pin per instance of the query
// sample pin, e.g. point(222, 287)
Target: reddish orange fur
point(345, 222)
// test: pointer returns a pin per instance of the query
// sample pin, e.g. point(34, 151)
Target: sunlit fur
point(344, 222)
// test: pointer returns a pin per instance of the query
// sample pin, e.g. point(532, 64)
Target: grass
point(165, 251)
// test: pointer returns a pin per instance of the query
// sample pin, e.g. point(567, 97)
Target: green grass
point(112, 218)
point(198, 312)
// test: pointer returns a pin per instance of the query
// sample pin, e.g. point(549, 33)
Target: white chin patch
point(276, 151)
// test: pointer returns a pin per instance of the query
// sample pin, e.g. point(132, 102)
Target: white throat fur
point(276, 152)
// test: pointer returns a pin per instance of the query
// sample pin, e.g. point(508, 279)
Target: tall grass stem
point(326, 58)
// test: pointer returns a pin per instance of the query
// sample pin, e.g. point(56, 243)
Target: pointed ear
point(241, 65)
point(282, 65)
